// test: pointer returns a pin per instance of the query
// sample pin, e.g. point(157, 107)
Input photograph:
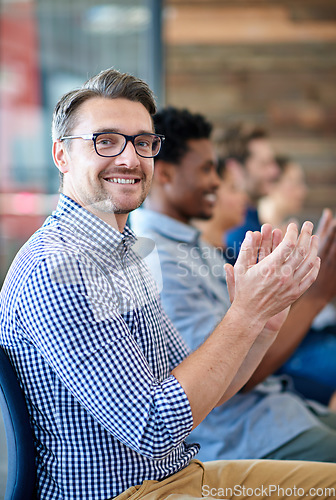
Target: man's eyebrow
point(118, 131)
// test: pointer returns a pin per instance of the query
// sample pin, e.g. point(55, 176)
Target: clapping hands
point(270, 274)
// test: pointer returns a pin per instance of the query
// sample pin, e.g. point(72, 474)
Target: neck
point(117, 221)
point(159, 204)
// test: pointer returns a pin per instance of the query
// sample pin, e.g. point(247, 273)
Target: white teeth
point(210, 197)
point(121, 181)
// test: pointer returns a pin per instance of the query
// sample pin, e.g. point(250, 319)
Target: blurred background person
point(250, 148)
point(287, 195)
point(312, 365)
point(285, 204)
point(230, 207)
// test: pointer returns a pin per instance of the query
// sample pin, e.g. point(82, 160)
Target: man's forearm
point(250, 364)
point(209, 372)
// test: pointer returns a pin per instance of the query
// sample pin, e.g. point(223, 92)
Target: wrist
point(250, 324)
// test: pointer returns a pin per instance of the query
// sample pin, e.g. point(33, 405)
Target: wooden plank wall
point(267, 62)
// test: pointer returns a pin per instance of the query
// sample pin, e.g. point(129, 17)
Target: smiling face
point(191, 192)
point(108, 187)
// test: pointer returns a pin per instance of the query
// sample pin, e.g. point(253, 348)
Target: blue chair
point(20, 449)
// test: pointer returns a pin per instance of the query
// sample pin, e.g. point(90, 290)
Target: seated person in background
point(251, 149)
point(314, 361)
point(229, 210)
point(262, 421)
point(285, 203)
point(110, 388)
point(286, 197)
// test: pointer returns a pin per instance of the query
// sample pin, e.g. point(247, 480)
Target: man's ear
point(164, 172)
point(60, 156)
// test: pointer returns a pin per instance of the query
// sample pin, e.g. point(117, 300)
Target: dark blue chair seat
point(20, 448)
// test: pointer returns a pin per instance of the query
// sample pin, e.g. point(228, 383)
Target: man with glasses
point(109, 385)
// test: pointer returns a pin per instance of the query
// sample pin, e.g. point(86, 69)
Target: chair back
point(20, 448)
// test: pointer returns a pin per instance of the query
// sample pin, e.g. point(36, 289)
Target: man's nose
point(129, 154)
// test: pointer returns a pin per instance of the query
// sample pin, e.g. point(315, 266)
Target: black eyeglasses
point(109, 144)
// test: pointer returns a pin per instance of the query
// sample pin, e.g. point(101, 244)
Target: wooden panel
point(266, 62)
point(213, 24)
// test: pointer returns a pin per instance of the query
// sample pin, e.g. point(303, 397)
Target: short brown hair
point(109, 83)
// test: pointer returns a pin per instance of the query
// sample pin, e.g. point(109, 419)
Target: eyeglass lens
point(111, 144)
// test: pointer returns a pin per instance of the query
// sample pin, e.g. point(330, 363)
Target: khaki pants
point(242, 479)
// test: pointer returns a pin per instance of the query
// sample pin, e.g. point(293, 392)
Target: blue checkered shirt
point(83, 326)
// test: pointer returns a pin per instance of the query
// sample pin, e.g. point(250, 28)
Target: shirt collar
point(165, 225)
point(90, 226)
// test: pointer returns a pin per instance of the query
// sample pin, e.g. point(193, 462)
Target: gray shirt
point(195, 297)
